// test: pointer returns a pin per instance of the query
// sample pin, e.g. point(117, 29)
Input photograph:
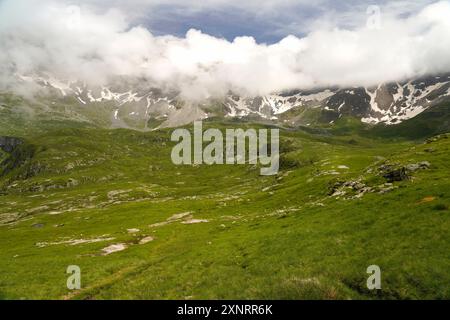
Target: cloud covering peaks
point(96, 45)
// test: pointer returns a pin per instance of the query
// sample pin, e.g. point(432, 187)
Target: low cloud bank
point(85, 44)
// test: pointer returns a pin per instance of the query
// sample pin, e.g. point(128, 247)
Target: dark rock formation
point(8, 144)
point(399, 174)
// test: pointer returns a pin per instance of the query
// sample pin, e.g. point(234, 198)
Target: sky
point(267, 21)
point(207, 48)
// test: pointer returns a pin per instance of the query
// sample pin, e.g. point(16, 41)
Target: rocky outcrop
point(356, 189)
point(20, 153)
point(349, 190)
point(394, 173)
point(8, 144)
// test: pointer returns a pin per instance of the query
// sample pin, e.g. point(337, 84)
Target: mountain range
point(136, 104)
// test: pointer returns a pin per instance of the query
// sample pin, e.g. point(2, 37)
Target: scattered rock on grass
point(133, 230)
point(418, 166)
point(158, 224)
point(114, 248)
point(179, 216)
point(72, 183)
point(146, 240)
point(73, 242)
point(194, 221)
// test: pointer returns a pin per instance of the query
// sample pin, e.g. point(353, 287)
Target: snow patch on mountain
point(389, 103)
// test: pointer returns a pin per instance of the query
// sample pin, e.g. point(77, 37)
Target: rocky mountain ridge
point(135, 102)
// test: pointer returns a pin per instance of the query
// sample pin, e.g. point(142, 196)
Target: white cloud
point(37, 36)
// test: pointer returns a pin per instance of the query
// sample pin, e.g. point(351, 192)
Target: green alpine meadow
point(218, 158)
point(110, 201)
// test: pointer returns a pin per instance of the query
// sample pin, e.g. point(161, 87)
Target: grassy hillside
point(431, 122)
point(204, 232)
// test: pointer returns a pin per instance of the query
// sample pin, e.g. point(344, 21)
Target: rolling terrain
point(348, 195)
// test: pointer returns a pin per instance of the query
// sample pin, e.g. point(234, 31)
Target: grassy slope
point(431, 122)
point(267, 237)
